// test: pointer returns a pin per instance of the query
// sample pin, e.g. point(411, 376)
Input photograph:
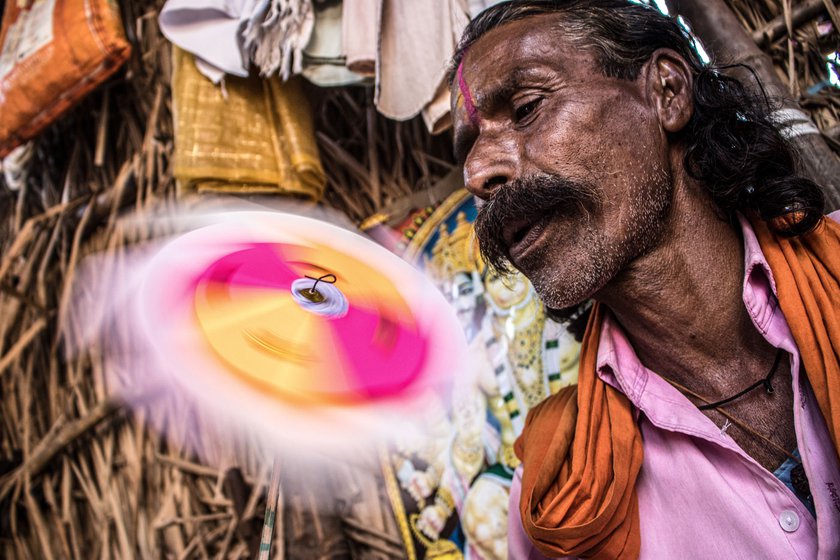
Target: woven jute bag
point(52, 54)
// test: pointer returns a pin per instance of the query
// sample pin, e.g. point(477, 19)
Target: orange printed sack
point(52, 54)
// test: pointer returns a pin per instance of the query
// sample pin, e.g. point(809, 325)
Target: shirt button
point(789, 521)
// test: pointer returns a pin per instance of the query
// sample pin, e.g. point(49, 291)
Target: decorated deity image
point(504, 293)
point(455, 490)
point(487, 523)
point(456, 268)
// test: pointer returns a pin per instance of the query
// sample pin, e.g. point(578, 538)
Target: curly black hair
point(732, 145)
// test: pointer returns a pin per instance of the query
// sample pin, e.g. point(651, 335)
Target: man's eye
point(523, 111)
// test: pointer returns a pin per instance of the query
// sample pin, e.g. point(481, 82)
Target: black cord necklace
point(766, 383)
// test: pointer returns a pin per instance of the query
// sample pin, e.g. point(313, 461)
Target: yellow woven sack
point(259, 138)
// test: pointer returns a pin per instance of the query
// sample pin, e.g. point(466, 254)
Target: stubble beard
point(584, 259)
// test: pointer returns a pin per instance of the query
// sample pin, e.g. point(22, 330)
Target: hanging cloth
point(417, 40)
point(209, 29)
point(275, 34)
point(360, 32)
point(226, 36)
point(324, 59)
point(259, 139)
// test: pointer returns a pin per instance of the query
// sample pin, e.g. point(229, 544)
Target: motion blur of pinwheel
point(286, 325)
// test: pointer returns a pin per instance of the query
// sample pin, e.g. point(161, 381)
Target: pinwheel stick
point(270, 512)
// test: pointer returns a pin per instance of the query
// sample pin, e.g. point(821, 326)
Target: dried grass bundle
point(799, 36)
point(372, 161)
point(80, 477)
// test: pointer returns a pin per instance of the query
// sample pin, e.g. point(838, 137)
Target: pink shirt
point(700, 495)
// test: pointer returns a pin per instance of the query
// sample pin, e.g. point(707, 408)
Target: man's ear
point(670, 87)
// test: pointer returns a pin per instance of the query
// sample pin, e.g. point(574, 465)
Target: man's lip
point(512, 231)
point(533, 230)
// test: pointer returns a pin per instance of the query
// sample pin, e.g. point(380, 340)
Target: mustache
point(527, 199)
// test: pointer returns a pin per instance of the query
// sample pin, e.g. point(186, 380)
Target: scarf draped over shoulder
point(581, 449)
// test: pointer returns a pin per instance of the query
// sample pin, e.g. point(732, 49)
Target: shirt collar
point(753, 257)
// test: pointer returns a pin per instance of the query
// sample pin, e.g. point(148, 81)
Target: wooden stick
point(72, 430)
point(27, 232)
point(365, 528)
point(27, 337)
point(777, 28)
point(373, 155)
point(69, 432)
point(102, 132)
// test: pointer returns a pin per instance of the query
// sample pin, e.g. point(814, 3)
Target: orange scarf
point(579, 493)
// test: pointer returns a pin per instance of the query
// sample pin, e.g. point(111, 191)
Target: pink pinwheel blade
point(382, 357)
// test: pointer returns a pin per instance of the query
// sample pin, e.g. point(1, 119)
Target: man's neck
point(681, 304)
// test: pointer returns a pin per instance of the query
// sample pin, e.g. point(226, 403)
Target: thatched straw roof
point(81, 478)
point(800, 57)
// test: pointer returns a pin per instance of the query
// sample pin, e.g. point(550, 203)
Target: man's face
point(572, 165)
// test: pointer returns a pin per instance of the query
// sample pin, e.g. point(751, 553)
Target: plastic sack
point(52, 54)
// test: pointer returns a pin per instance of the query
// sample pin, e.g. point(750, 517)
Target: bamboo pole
point(271, 513)
point(724, 36)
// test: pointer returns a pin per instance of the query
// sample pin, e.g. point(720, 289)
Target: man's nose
point(488, 166)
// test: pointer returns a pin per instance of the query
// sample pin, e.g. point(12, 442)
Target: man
point(613, 165)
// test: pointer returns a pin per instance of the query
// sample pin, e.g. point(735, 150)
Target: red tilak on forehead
point(465, 91)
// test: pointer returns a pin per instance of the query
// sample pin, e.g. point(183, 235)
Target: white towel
point(417, 39)
point(209, 29)
point(227, 35)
